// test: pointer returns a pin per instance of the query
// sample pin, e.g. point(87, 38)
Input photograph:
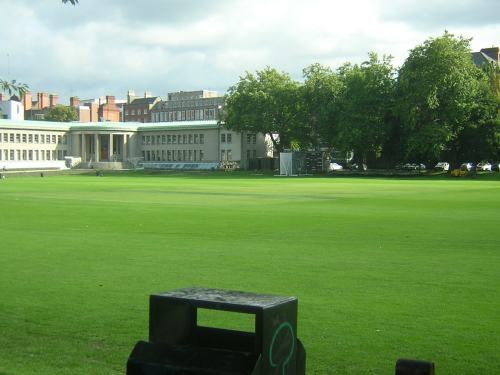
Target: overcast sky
point(109, 46)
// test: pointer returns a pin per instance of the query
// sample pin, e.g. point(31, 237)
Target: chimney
point(53, 98)
point(147, 94)
point(74, 101)
point(27, 100)
point(43, 100)
point(130, 96)
point(110, 99)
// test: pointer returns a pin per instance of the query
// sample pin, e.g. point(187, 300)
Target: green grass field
point(383, 268)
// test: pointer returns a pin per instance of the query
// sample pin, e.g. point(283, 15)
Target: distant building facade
point(138, 109)
point(11, 108)
point(487, 56)
point(37, 109)
point(188, 106)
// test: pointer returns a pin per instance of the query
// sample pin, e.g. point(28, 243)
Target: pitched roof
point(142, 101)
point(480, 58)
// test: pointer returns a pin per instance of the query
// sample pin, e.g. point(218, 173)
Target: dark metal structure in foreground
point(178, 345)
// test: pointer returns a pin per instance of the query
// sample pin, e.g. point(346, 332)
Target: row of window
point(173, 139)
point(251, 154)
point(251, 139)
point(189, 115)
point(226, 155)
point(173, 155)
point(139, 112)
point(32, 138)
point(19, 155)
point(226, 137)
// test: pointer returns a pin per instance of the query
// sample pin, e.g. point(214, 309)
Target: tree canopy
point(61, 113)
point(439, 90)
point(265, 102)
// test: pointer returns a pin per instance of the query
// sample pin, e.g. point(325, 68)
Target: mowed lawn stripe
point(382, 268)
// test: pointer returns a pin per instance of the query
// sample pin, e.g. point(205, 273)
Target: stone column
point(83, 154)
point(110, 151)
point(96, 147)
point(124, 147)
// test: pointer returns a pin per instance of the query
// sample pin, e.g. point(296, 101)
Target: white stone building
point(186, 144)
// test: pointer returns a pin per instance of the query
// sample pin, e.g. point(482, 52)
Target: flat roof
point(107, 126)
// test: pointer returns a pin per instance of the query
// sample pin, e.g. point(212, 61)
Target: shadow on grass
point(220, 175)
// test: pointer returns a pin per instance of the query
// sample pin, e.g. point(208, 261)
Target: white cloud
point(99, 48)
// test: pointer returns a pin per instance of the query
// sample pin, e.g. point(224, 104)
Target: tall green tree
point(61, 113)
point(265, 102)
point(320, 96)
point(366, 106)
point(439, 92)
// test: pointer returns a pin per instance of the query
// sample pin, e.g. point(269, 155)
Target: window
point(145, 111)
point(152, 139)
point(249, 138)
point(229, 155)
point(202, 155)
point(54, 155)
point(47, 154)
point(144, 155)
point(24, 138)
point(30, 155)
point(133, 112)
point(47, 139)
point(53, 139)
point(12, 137)
point(254, 138)
point(183, 114)
point(37, 155)
point(229, 137)
point(163, 139)
point(195, 154)
point(190, 138)
point(162, 155)
point(5, 137)
point(18, 138)
point(196, 138)
point(30, 138)
point(59, 155)
point(184, 155)
point(158, 139)
point(36, 138)
point(169, 155)
point(184, 139)
point(24, 155)
point(222, 154)
point(174, 139)
point(179, 155)
point(59, 139)
point(11, 154)
point(202, 139)
point(143, 139)
point(223, 137)
point(190, 155)
point(42, 138)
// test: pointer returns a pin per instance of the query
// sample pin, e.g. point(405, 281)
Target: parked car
point(355, 167)
point(495, 166)
point(484, 166)
point(413, 166)
point(468, 167)
point(443, 166)
point(335, 167)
